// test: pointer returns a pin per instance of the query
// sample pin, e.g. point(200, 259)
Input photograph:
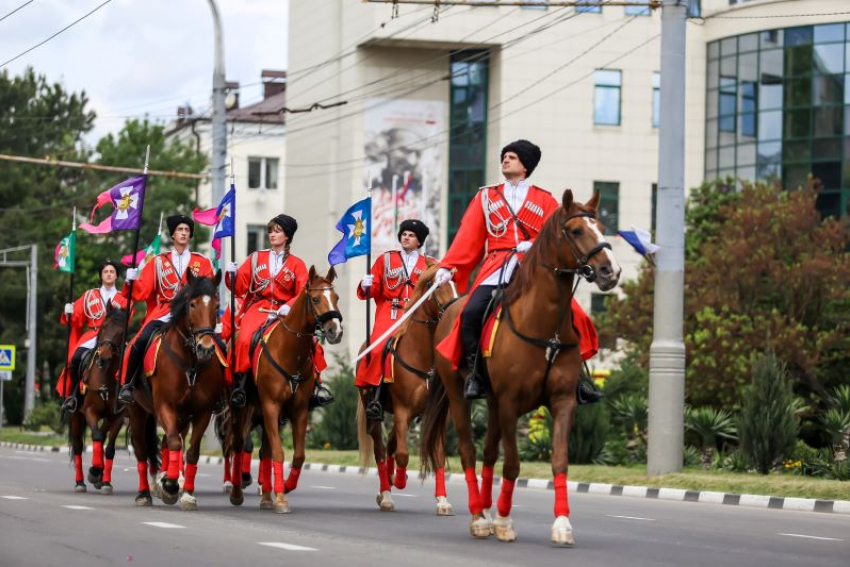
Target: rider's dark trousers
point(471, 319)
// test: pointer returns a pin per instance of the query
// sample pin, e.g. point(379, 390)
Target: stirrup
point(321, 397)
point(473, 389)
point(69, 406)
point(237, 398)
point(125, 395)
point(374, 411)
point(586, 394)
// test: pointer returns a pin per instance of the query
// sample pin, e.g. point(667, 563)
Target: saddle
point(85, 364)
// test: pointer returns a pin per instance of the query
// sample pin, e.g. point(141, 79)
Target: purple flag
point(127, 199)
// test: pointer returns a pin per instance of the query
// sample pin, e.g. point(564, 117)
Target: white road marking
point(632, 518)
point(811, 537)
point(405, 495)
point(323, 487)
point(163, 525)
point(14, 497)
point(286, 546)
point(74, 507)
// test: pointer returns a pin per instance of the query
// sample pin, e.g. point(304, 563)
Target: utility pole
point(667, 353)
point(219, 121)
point(29, 396)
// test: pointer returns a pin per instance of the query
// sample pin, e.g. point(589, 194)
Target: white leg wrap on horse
point(188, 502)
point(503, 527)
point(385, 501)
point(444, 507)
point(562, 531)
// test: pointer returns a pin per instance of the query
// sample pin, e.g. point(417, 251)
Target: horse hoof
point(80, 487)
point(489, 519)
point(170, 493)
point(444, 507)
point(188, 502)
point(144, 499)
point(228, 486)
point(282, 508)
point(95, 477)
point(266, 504)
point(562, 532)
point(479, 527)
point(106, 489)
point(504, 528)
point(247, 480)
point(385, 501)
point(237, 499)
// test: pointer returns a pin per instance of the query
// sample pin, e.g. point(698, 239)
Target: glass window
point(798, 36)
point(729, 67)
point(746, 154)
point(746, 173)
point(713, 50)
point(798, 61)
point(797, 123)
point(638, 10)
point(609, 205)
point(727, 156)
point(271, 173)
point(711, 134)
point(770, 125)
point(798, 92)
point(585, 9)
point(654, 204)
point(829, 148)
point(711, 159)
point(749, 106)
point(829, 173)
point(728, 46)
point(829, 32)
point(607, 98)
point(828, 89)
point(713, 73)
point(727, 104)
point(797, 151)
point(827, 121)
point(748, 42)
point(257, 238)
point(772, 38)
point(656, 99)
point(255, 171)
point(712, 104)
point(829, 58)
point(748, 67)
point(829, 203)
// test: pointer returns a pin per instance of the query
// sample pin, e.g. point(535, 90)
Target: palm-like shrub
point(708, 426)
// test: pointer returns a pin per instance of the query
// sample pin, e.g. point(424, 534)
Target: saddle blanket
point(319, 361)
point(149, 366)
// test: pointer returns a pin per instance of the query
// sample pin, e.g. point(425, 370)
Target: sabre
point(398, 323)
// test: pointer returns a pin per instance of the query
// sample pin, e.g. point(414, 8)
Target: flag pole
point(395, 203)
point(130, 283)
point(69, 385)
point(369, 259)
point(233, 280)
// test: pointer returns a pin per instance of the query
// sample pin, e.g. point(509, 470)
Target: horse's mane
point(117, 315)
point(545, 247)
point(418, 291)
point(180, 303)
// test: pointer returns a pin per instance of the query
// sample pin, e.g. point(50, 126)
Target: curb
point(673, 494)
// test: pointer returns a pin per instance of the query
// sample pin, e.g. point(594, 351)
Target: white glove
point(442, 276)
point(232, 267)
point(367, 281)
point(524, 246)
point(69, 309)
point(132, 274)
point(283, 311)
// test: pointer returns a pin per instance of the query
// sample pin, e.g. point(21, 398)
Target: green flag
point(66, 253)
point(151, 251)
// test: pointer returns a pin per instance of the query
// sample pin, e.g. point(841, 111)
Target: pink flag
point(208, 217)
point(128, 259)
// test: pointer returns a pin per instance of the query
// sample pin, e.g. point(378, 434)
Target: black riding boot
point(237, 397)
point(586, 393)
point(125, 395)
point(321, 396)
point(374, 410)
point(474, 388)
point(71, 403)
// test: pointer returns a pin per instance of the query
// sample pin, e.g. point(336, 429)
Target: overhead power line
point(99, 167)
point(69, 26)
point(24, 5)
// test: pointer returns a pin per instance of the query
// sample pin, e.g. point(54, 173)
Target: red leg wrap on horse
point(107, 471)
point(487, 487)
point(180, 464)
point(97, 454)
point(401, 478)
point(562, 504)
point(292, 481)
point(189, 483)
point(506, 498)
point(236, 468)
point(278, 478)
point(266, 474)
point(227, 469)
point(440, 486)
point(246, 461)
point(390, 466)
point(164, 458)
point(475, 506)
point(78, 468)
point(143, 476)
point(383, 476)
point(174, 464)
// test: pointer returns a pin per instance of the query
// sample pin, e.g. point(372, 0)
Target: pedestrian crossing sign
point(7, 357)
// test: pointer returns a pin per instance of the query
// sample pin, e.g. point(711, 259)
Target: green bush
point(588, 434)
point(705, 427)
point(629, 378)
point(336, 426)
point(767, 426)
point(47, 413)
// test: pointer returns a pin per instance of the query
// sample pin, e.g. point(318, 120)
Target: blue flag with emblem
point(356, 228)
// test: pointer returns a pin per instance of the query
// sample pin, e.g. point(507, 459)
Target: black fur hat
point(417, 227)
point(176, 220)
point(288, 224)
point(528, 154)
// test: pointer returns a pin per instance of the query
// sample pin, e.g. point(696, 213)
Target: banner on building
point(403, 145)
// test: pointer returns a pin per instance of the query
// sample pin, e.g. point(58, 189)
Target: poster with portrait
point(403, 144)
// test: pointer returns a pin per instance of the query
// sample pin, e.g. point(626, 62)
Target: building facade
point(426, 103)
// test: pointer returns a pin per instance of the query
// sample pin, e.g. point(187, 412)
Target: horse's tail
point(152, 442)
point(364, 440)
point(433, 427)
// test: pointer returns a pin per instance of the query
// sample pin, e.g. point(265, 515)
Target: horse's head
point(110, 336)
point(195, 309)
point(582, 247)
point(445, 295)
point(322, 303)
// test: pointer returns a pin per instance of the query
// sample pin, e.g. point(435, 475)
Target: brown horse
point(407, 395)
point(286, 376)
point(98, 410)
point(185, 385)
point(535, 361)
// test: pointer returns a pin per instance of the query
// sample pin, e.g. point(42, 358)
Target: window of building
point(727, 104)
point(607, 97)
point(609, 205)
point(656, 99)
point(257, 239)
point(748, 109)
point(589, 8)
point(639, 10)
point(654, 205)
point(263, 172)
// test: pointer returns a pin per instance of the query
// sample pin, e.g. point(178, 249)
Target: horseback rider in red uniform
point(160, 280)
point(268, 282)
point(500, 225)
point(390, 283)
point(85, 316)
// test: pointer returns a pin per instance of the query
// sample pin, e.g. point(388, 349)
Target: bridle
point(192, 341)
point(584, 269)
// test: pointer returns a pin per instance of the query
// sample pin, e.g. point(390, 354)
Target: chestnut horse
point(98, 410)
point(186, 383)
point(407, 395)
point(535, 361)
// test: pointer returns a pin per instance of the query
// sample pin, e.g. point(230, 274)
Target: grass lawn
point(777, 484)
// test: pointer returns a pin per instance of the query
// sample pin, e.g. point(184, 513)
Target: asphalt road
point(335, 521)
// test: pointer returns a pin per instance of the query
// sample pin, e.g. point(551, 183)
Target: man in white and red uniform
point(500, 224)
point(390, 283)
point(160, 281)
point(85, 317)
